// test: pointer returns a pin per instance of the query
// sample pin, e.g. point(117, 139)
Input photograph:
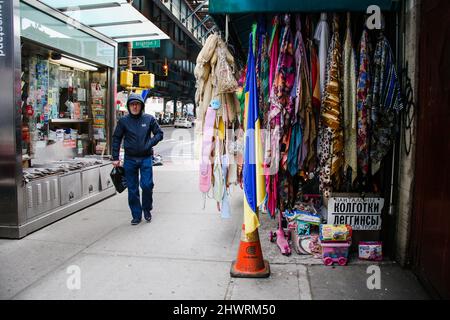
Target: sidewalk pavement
point(184, 253)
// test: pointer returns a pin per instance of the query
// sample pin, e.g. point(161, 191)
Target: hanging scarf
point(274, 51)
point(272, 139)
point(386, 102)
point(285, 79)
point(322, 37)
point(331, 114)
point(315, 75)
point(349, 103)
point(282, 88)
point(315, 96)
point(263, 76)
point(294, 152)
point(294, 149)
point(240, 94)
point(363, 101)
point(303, 103)
point(281, 99)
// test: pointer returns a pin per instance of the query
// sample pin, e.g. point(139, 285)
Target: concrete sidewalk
point(184, 253)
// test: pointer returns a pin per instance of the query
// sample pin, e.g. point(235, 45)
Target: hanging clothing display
point(363, 100)
point(282, 107)
point(219, 111)
point(328, 112)
point(272, 143)
point(333, 138)
point(349, 103)
point(322, 36)
point(386, 102)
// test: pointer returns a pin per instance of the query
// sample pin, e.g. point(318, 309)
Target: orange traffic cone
point(250, 262)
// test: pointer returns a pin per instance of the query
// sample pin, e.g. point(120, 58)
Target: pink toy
point(335, 252)
point(281, 237)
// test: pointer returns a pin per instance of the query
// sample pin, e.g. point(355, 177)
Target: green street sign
point(146, 44)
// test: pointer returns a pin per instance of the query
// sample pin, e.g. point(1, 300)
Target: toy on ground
point(281, 237)
point(336, 241)
point(340, 232)
point(370, 250)
point(335, 252)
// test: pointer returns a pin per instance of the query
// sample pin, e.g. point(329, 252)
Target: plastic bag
point(118, 177)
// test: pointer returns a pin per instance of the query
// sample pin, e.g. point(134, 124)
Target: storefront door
point(431, 225)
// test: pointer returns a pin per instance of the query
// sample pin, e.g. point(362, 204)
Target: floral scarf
point(386, 102)
point(349, 103)
point(282, 106)
point(363, 100)
point(272, 139)
point(333, 161)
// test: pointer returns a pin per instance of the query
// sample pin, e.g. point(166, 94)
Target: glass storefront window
point(42, 28)
point(64, 108)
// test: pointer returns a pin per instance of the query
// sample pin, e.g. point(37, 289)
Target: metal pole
point(130, 48)
point(130, 56)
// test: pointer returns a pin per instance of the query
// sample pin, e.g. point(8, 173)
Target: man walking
point(137, 129)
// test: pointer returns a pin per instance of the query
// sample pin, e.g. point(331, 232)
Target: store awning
point(252, 6)
point(117, 19)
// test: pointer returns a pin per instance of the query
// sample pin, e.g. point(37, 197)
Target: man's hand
point(116, 163)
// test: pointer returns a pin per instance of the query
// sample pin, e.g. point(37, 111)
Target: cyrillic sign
point(360, 213)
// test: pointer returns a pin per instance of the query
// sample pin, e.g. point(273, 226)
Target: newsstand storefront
point(326, 80)
point(57, 98)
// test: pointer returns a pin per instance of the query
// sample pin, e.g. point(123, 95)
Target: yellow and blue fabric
point(253, 174)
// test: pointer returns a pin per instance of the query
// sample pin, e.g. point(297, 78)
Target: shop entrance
point(430, 244)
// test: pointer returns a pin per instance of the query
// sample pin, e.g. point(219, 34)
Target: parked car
point(183, 123)
point(191, 119)
point(166, 121)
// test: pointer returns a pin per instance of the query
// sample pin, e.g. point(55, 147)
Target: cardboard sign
point(360, 213)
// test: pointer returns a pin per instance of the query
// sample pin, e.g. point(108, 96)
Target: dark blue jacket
point(140, 133)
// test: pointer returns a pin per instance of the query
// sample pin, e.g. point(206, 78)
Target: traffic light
point(165, 68)
point(126, 78)
point(147, 80)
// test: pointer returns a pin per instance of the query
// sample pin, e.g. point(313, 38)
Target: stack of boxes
point(335, 241)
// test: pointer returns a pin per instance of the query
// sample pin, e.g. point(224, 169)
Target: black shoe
point(135, 221)
point(148, 216)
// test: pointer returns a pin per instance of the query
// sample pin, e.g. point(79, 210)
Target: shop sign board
point(70, 144)
point(146, 44)
point(360, 213)
point(136, 61)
